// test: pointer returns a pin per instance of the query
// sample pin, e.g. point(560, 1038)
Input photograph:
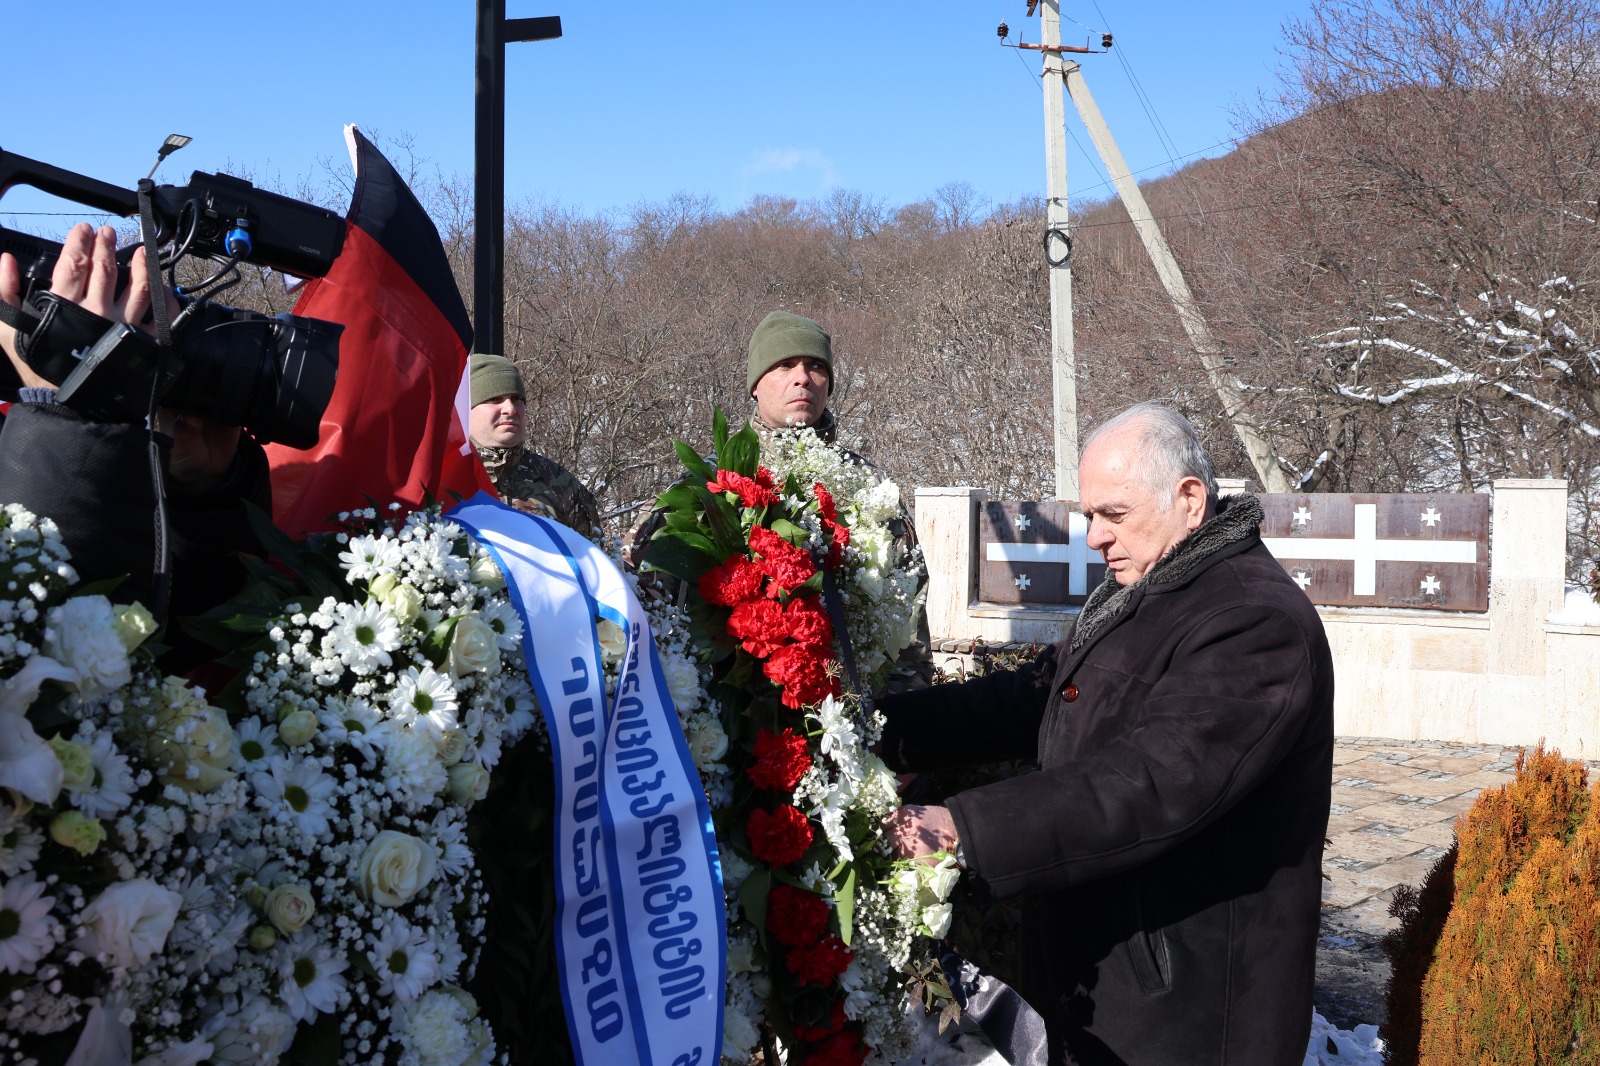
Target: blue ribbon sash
point(640, 923)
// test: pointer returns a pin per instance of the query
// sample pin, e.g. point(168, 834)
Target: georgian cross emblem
point(1366, 550)
point(1022, 581)
point(1303, 579)
point(1023, 522)
point(1075, 553)
point(1430, 586)
point(1431, 517)
point(1302, 517)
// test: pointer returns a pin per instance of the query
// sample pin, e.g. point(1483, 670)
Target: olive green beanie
point(494, 375)
point(784, 336)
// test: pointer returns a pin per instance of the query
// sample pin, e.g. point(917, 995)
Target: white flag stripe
point(1027, 553)
point(1367, 551)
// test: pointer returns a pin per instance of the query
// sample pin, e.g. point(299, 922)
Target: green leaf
point(789, 531)
point(676, 554)
point(753, 898)
point(691, 459)
point(436, 645)
point(741, 453)
point(679, 497)
point(727, 532)
point(810, 584)
point(681, 522)
point(719, 431)
point(844, 899)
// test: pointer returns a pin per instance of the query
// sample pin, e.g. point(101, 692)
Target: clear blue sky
point(635, 102)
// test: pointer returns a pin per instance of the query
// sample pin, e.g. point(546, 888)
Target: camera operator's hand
point(85, 274)
point(203, 449)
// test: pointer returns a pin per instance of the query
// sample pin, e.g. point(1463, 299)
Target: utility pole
point(1273, 478)
point(489, 166)
point(1058, 254)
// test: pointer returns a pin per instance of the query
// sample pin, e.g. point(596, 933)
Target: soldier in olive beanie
point(781, 336)
point(494, 375)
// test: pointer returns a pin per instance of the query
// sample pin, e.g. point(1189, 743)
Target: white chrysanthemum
point(424, 700)
point(367, 557)
point(507, 624)
point(450, 838)
point(296, 792)
point(27, 931)
point(19, 842)
point(310, 977)
point(406, 966)
point(412, 768)
point(363, 636)
point(437, 1031)
point(682, 675)
point(111, 787)
point(354, 721)
point(257, 743)
point(253, 1032)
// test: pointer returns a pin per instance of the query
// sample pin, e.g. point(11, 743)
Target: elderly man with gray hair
point(1169, 847)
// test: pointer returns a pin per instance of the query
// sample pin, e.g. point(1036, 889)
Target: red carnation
point(812, 1034)
point(778, 837)
point(801, 670)
point(781, 760)
point(760, 625)
point(752, 493)
point(840, 1049)
point(838, 535)
point(733, 581)
point(788, 566)
point(819, 963)
point(796, 917)
point(808, 622)
point(825, 505)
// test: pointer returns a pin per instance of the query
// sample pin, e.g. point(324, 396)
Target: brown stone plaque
point(1383, 550)
point(1035, 553)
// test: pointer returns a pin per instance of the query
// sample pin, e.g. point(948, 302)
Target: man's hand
point(914, 830)
point(85, 274)
point(202, 448)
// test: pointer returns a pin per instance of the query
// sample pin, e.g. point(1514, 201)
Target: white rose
point(404, 602)
point(127, 924)
point(613, 641)
point(289, 907)
point(870, 582)
point(297, 728)
point(683, 682)
point(192, 741)
point(452, 744)
point(941, 880)
point(937, 919)
point(82, 636)
point(395, 867)
point(486, 574)
point(475, 647)
point(134, 624)
point(707, 741)
point(469, 783)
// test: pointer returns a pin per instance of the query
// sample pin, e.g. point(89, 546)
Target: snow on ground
point(1580, 609)
point(1328, 1046)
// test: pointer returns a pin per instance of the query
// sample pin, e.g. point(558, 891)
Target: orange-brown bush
point(1515, 978)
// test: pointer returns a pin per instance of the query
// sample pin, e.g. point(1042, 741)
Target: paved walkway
point(1395, 803)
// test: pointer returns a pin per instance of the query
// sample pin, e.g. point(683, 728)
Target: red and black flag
point(396, 426)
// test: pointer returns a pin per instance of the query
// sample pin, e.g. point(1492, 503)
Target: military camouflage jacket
point(530, 482)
